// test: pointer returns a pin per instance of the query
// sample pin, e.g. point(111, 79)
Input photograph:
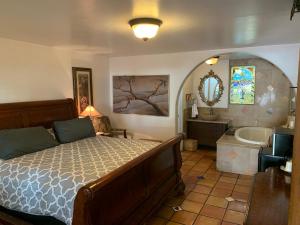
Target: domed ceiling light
point(212, 61)
point(145, 28)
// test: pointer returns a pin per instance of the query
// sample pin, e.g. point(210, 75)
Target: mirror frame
point(201, 87)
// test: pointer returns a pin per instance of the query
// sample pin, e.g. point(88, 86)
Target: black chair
point(280, 152)
point(266, 159)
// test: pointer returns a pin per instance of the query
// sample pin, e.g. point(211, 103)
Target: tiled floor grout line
point(207, 197)
point(198, 214)
point(204, 203)
point(235, 183)
point(190, 175)
point(228, 201)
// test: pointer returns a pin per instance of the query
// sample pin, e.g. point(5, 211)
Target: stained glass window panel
point(242, 85)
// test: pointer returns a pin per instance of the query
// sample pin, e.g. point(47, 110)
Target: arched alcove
point(272, 77)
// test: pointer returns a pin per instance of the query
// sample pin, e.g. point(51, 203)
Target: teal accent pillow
point(73, 130)
point(18, 142)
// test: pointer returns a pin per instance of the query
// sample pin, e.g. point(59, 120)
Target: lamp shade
point(91, 111)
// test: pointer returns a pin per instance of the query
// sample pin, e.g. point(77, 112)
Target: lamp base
point(95, 122)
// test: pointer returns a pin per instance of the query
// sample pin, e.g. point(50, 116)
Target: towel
point(194, 110)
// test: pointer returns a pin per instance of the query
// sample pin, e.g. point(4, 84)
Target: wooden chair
point(107, 130)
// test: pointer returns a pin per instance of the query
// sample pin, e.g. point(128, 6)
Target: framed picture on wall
point(242, 85)
point(82, 87)
point(141, 94)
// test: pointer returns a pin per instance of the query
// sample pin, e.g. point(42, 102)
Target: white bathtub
point(253, 135)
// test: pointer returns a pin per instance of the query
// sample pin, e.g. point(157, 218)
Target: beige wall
point(99, 65)
point(272, 93)
point(220, 69)
point(32, 72)
point(271, 97)
point(178, 66)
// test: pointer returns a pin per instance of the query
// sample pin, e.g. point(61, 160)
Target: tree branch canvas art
point(146, 95)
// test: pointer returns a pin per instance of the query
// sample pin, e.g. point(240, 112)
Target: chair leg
point(259, 169)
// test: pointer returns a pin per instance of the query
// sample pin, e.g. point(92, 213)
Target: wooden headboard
point(38, 113)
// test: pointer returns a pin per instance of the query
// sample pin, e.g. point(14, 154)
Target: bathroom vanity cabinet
point(206, 132)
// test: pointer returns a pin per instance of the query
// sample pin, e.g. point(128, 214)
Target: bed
point(126, 195)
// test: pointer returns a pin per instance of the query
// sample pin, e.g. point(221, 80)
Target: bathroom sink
point(209, 117)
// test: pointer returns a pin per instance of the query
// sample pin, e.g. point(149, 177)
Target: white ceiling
point(101, 26)
point(237, 55)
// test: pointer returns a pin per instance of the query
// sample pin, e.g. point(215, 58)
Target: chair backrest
point(104, 124)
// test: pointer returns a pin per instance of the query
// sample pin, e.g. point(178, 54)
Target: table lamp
point(93, 114)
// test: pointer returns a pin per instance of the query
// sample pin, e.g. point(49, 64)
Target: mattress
point(46, 182)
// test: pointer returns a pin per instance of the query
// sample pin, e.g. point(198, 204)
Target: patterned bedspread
point(46, 182)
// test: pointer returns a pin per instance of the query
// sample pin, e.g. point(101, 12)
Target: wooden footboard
point(131, 193)
point(126, 196)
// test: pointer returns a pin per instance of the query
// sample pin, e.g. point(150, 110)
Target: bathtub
point(254, 135)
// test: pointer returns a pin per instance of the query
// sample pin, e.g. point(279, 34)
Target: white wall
point(101, 84)
point(32, 72)
point(222, 70)
point(178, 66)
point(100, 70)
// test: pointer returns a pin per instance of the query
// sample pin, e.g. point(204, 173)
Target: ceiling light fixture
point(145, 28)
point(212, 61)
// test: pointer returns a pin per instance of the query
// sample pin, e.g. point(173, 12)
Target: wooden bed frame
point(129, 194)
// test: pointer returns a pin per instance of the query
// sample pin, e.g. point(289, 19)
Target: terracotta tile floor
point(204, 200)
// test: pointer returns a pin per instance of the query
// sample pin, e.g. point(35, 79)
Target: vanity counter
point(206, 132)
point(210, 121)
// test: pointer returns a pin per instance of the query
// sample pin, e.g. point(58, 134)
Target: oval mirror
point(210, 88)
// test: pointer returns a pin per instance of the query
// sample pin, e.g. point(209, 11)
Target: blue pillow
point(73, 130)
point(18, 142)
